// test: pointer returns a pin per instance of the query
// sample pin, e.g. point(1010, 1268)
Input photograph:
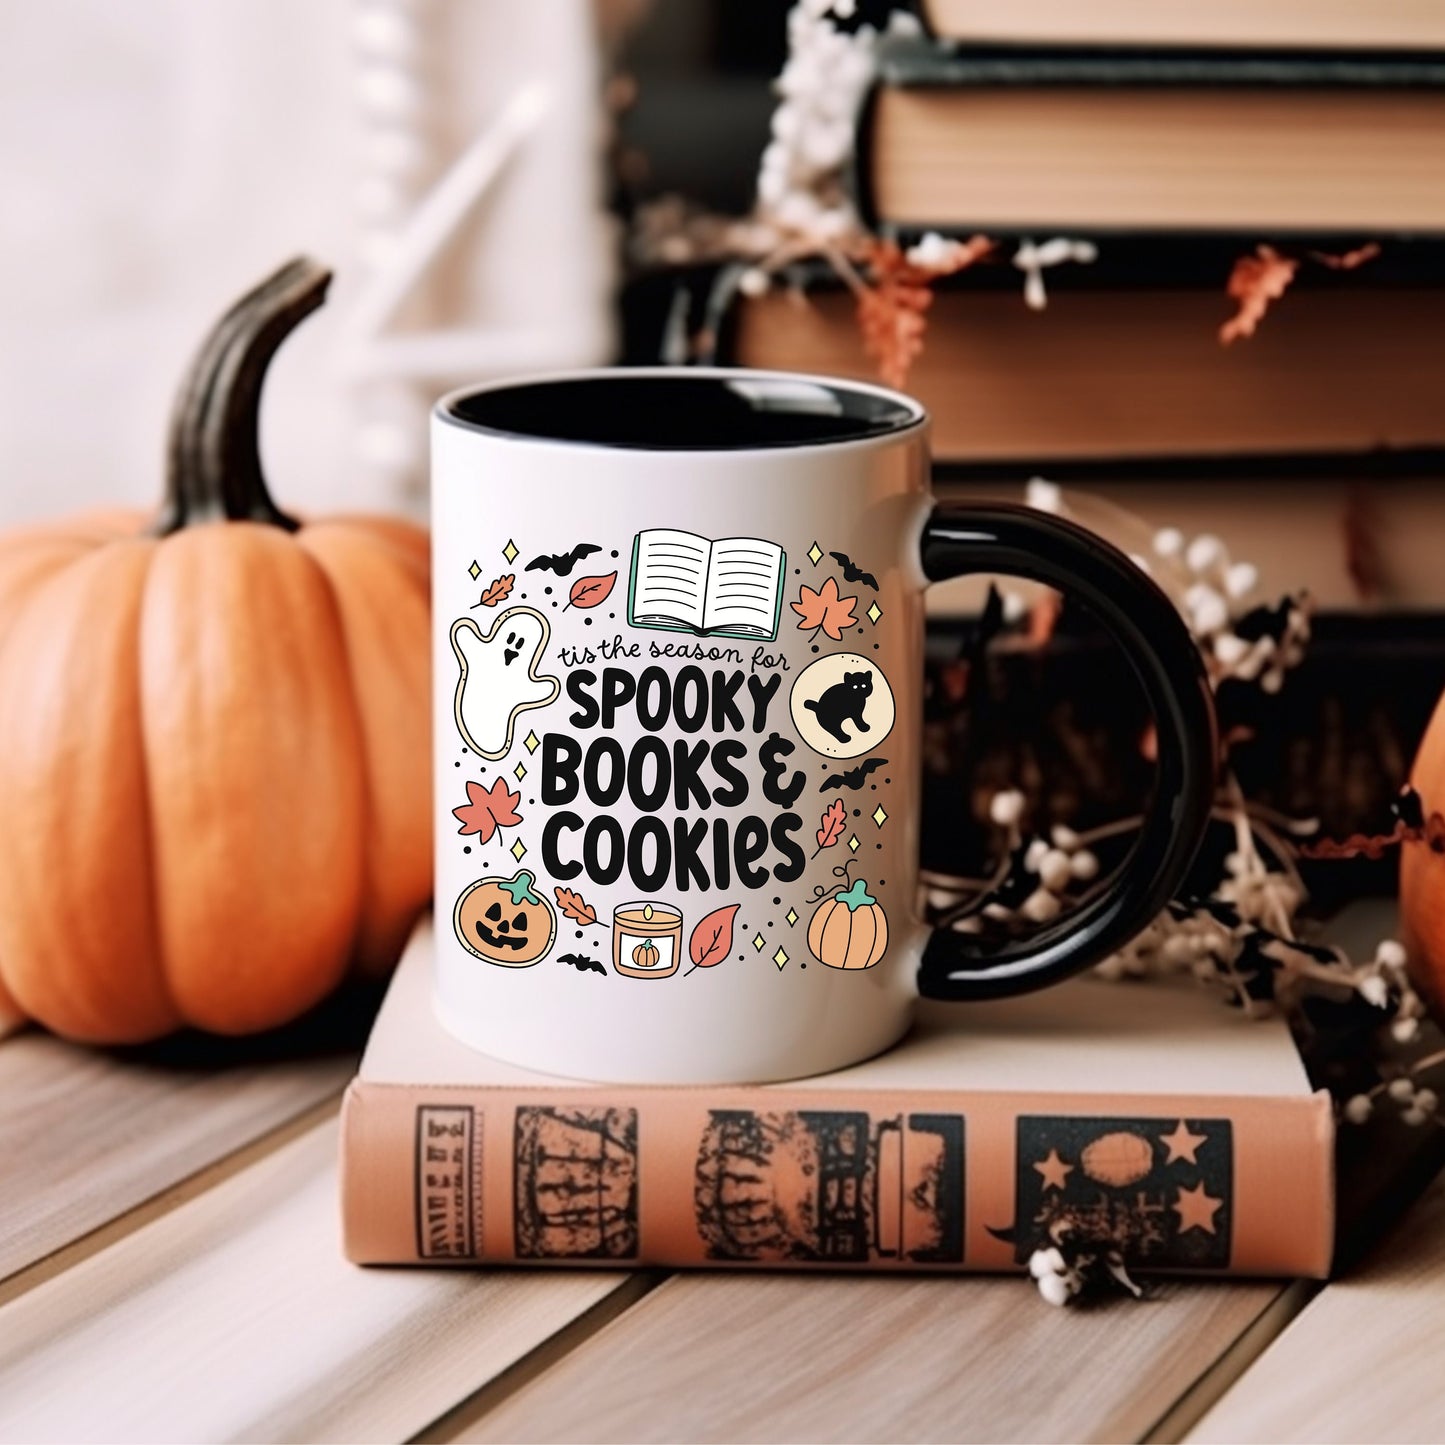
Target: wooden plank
point(1359, 1363)
point(235, 1317)
point(87, 1134)
point(786, 1357)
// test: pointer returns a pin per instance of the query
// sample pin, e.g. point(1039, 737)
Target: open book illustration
point(684, 583)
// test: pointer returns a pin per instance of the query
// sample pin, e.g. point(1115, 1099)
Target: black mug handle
point(1025, 542)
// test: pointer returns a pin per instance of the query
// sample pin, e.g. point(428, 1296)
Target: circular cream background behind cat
point(842, 705)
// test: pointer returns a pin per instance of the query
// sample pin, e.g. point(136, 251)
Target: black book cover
point(661, 308)
point(915, 62)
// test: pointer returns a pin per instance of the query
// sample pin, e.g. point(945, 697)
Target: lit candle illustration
point(646, 939)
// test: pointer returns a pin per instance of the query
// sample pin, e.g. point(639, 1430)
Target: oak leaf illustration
point(488, 809)
point(574, 906)
point(1255, 282)
point(824, 610)
point(831, 825)
point(497, 590)
point(712, 939)
point(589, 591)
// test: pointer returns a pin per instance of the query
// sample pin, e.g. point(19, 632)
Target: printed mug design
point(505, 921)
point(702, 821)
point(842, 705)
point(498, 677)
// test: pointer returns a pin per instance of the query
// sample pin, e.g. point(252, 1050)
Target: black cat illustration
point(844, 702)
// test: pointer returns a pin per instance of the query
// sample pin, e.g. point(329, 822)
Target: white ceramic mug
point(679, 675)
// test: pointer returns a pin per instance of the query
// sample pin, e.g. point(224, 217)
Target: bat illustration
point(852, 572)
point(854, 778)
point(581, 962)
point(562, 563)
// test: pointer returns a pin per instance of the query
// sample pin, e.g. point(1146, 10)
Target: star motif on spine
point(879, 816)
point(814, 552)
point(474, 571)
point(873, 613)
point(781, 956)
point(531, 742)
point(791, 916)
point(1196, 1210)
point(517, 849)
point(1054, 1171)
point(520, 771)
point(852, 842)
point(758, 942)
point(1181, 1144)
point(510, 551)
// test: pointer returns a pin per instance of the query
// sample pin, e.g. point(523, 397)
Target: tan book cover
point(1348, 24)
point(1152, 1115)
point(1160, 155)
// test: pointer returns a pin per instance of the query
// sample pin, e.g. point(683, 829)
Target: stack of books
point(1177, 139)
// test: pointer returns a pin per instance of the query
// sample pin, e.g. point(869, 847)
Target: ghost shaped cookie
point(499, 677)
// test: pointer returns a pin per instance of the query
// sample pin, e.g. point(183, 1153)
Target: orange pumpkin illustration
point(849, 930)
point(505, 921)
point(645, 955)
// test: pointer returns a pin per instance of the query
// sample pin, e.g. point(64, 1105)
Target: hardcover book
point(1348, 361)
point(1152, 1117)
point(1008, 139)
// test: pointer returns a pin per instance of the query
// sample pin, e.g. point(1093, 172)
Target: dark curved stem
point(213, 461)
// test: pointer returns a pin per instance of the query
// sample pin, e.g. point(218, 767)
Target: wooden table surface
point(170, 1269)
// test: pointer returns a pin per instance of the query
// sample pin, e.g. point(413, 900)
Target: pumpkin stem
point(213, 461)
point(520, 887)
point(856, 896)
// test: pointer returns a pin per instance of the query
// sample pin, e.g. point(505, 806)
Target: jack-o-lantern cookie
point(505, 920)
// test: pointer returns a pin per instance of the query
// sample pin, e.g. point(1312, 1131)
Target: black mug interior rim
point(683, 410)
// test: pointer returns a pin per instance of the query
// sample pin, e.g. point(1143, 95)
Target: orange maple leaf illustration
point(488, 809)
point(823, 610)
point(1254, 283)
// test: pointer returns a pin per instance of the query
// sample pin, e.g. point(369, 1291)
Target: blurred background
point(1182, 260)
point(505, 189)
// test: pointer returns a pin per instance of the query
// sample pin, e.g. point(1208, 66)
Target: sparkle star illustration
point(1054, 1171)
point(1196, 1209)
point(1181, 1144)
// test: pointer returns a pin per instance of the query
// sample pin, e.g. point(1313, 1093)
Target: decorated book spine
point(791, 1177)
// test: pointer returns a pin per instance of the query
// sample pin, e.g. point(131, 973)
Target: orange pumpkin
point(1422, 871)
point(214, 733)
point(505, 920)
point(848, 929)
point(645, 955)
